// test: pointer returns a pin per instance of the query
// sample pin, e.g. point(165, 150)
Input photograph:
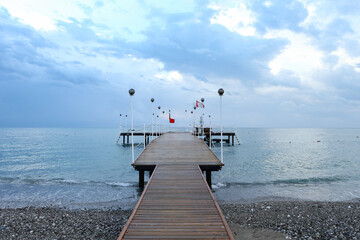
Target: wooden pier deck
point(177, 148)
point(177, 203)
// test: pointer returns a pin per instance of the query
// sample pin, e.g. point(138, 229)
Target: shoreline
point(254, 220)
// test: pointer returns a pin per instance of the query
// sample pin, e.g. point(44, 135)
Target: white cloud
point(299, 56)
point(237, 19)
point(265, 90)
point(171, 76)
point(43, 14)
point(346, 59)
point(267, 3)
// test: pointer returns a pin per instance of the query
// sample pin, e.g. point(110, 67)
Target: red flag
point(199, 104)
point(171, 120)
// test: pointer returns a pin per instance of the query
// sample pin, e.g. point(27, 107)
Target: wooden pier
point(228, 137)
point(177, 201)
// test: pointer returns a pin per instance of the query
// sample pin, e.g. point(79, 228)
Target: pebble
point(297, 219)
point(56, 223)
point(300, 219)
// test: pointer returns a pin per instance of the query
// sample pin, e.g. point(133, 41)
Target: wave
point(17, 180)
point(294, 181)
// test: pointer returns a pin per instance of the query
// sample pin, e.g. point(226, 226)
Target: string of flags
point(199, 104)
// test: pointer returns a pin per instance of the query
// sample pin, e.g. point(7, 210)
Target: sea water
point(85, 168)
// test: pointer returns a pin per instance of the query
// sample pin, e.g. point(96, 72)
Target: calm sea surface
point(84, 168)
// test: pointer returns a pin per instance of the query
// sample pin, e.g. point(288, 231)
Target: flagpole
point(221, 92)
point(132, 92)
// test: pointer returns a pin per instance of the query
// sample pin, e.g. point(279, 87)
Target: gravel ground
point(299, 220)
point(296, 219)
point(55, 223)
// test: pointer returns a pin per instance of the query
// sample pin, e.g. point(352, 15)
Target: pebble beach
point(259, 220)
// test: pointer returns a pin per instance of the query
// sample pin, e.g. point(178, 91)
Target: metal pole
point(152, 118)
point(144, 137)
point(132, 132)
point(120, 123)
point(132, 92)
point(221, 92)
point(210, 131)
point(221, 131)
point(117, 141)
point(158, 121)
point(186, 127)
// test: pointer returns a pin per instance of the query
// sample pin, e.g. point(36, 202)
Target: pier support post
point(128, 136)
point(208, 178)
point(124, 139)
point(233, 137)
point(141, 178)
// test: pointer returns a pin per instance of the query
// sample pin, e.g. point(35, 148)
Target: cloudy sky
point(70, 63)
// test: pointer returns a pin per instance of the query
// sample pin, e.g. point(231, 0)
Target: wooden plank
point(176, 203)
point(177, 148)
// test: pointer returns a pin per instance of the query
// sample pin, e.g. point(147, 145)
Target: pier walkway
point(177, 201)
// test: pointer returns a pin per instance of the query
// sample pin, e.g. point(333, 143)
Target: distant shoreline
point(260, 220)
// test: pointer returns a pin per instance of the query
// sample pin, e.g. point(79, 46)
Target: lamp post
point(120, 123)
point(210, 131)
point(132, 92)
point(221, 92)
point(126, 122)
point(186, 127)
point(157, 121)
point(195, 120)
point(202, 110)
point(192, 118)
point(152, 118)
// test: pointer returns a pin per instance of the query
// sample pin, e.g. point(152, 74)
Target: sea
point(84, 168)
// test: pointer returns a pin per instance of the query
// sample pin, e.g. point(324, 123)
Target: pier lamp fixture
point(132, 92)
point(221, 93)
point(120, 123)
point(157, 122)
point(152, 118)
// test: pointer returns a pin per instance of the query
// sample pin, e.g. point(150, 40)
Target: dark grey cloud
point(24, 54)
point(208, 50)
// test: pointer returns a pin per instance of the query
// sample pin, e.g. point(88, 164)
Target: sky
point(70, 63)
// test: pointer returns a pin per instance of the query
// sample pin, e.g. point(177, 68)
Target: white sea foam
point(218, 185)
